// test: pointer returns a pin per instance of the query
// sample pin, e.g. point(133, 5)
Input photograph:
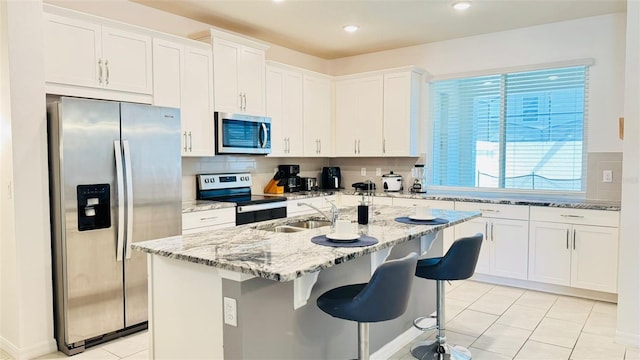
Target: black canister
point(363, 214)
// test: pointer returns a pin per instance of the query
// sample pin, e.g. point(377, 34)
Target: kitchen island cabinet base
point(187, 318)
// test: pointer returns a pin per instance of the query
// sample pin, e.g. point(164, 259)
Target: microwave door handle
point(263, 135)
point(120, 191)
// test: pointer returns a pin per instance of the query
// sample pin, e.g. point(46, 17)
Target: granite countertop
point(492, 198)
point(286, 256)
point(201, 205)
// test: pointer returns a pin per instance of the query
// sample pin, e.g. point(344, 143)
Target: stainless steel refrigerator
point(115, 179)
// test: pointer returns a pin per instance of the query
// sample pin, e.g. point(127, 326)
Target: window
point(521, 130)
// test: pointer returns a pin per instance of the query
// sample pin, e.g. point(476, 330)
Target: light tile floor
point(498, 322)
point(494, 322)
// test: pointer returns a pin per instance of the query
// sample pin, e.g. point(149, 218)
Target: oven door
point(242, 134)
point(246, 214)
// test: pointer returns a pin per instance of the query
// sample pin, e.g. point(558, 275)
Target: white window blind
point(520, 130)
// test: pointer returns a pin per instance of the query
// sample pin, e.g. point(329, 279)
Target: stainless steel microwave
point(242, 134)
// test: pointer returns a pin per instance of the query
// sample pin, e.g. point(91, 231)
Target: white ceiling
point(315, 26)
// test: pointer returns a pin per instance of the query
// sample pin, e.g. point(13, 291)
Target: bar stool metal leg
point(435, 349)
point(363, 341)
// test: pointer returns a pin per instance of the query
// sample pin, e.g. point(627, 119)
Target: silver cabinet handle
point(572, 216)
point(574, 239)
point(129, 184)
point(106, 66)
point(489, 210)
point(384, 146)
point(319, 146)
point(358, 146)
point(190, 142)
point(244, 101)
point(355, 146)
point(208, 218)
point(567, 239)
point(240, 95)
point(288, 145)
point(100, 71)
point(117, 152)
point(486, 230)
point(185, 141)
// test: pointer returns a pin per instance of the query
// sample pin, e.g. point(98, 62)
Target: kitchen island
point(249, 292)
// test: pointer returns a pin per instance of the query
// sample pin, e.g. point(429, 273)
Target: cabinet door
point(226, 59)
point(127, 58)
point(293, 112)
point(197, 102)
point(401, 112)
point(370, 113)
point(251, 80)
point(549, 253)
point(470, 228)
point(316, 100)
point(167, 73)
point(594, 261)
point(72, 51)
point(274, 109)
point(509, 247)
point(346, 118)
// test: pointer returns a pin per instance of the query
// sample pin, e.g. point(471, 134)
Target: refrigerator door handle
point(129, 179)
point(120, 191)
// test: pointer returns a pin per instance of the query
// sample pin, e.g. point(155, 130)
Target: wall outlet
point(363, 171)
point(607, 176)
point(378, 172)
point(230, 311)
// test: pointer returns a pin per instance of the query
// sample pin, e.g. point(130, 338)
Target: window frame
point(587, 63)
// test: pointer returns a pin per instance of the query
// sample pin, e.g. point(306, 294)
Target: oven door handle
point(258, 207)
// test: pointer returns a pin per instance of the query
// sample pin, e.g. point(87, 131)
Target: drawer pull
point(490, 210)
point(208, 218)
point(572, 216)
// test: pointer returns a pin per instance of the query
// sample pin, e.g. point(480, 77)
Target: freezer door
point(153, 167)
point(88, 279)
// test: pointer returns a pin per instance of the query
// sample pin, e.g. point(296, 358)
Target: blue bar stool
point(384, 297)
point(458, 263)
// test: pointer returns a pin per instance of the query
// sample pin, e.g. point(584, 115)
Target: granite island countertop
point(250, 249)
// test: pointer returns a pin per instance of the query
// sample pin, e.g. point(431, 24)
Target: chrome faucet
point(334, 211)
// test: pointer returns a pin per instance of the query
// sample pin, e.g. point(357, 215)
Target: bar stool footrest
point(432, 327)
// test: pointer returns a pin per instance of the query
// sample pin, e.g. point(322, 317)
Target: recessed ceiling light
point(351, 28)
point(461, 5)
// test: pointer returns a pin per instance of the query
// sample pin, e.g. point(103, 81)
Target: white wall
point(26, 258)
point(628, 326)
point(599, 37)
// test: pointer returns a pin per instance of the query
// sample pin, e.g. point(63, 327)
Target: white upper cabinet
point(183, 78)
point(401, 113)
point(284, 107)
point(359, 113)
point(88, 54)
point(239, 74)
point(317, 116)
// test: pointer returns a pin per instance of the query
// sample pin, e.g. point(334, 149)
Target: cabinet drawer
point(434, 204)
point(575, 216)
point(208, 218)
point(517, 212)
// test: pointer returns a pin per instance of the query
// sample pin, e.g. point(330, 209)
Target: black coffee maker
point(290, 173)
point(331, 178)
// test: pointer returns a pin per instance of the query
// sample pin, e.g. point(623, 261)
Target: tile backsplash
point(263, 168)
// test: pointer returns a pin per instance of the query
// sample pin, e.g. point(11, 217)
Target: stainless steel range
point(237, 188)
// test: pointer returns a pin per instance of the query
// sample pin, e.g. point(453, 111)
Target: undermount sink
point(310, 224)
point(298, 226)
point(285, 229)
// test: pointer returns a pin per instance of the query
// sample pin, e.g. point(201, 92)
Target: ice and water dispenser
point(94, 206)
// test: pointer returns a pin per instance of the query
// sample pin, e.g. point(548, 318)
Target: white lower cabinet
point(354, 200)
point(207, 220)
point(505, 229)
point(564, 251)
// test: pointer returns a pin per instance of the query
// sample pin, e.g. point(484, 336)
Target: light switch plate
point(607, 176)
point(363, 171)
point(378, 172)
point(230, 311)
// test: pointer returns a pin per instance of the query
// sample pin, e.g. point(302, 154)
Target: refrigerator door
point(88, 279)
point(153, 167)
